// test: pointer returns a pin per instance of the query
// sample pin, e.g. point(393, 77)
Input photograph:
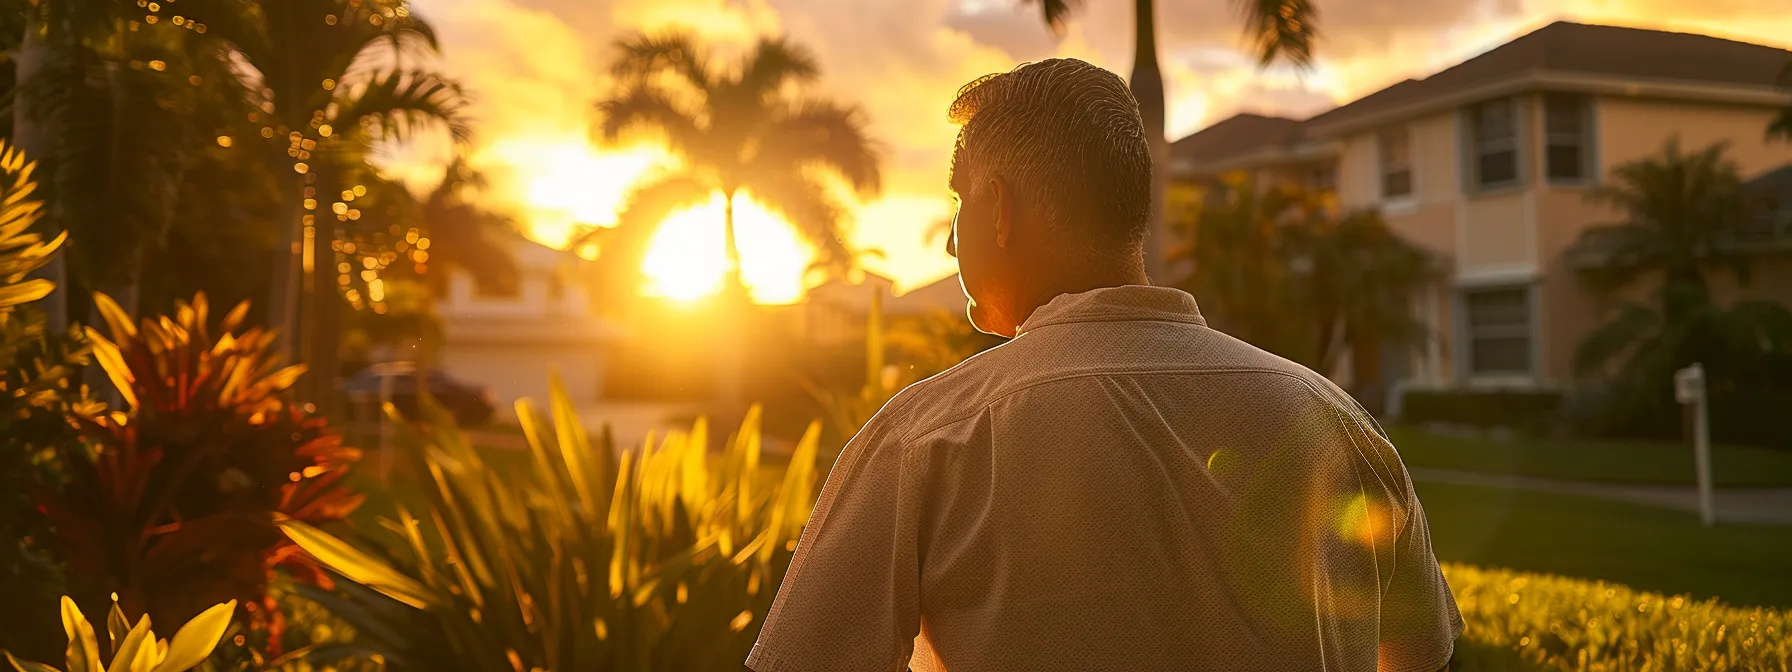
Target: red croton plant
point(175, 508)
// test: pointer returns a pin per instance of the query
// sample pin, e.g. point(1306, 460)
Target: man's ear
point(1005, 206)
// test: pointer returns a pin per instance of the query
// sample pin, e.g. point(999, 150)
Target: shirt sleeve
point(1419, 618)
point(850, 600)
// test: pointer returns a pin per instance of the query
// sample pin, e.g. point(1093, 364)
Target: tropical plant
point(461, 233)
point(1278, 29)
point(173, 508)
point(1682, 212)
point(1781, 127)
point(36, 395)
point(134, 648)
point(345, 78)
point(116, 99)
point(735, 130)
point(593, 559)
point(1279, 268)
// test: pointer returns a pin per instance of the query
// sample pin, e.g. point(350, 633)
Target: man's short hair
point(1066, 137)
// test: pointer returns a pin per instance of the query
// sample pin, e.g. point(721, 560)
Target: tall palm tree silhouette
point(1278, 29)
point(740, 129)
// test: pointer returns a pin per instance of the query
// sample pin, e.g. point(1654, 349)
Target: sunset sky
point(536, 66)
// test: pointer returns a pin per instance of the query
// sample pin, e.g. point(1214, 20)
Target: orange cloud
point(538, 65)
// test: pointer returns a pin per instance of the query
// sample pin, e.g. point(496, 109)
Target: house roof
point(1566, 48)
point(1236, 135)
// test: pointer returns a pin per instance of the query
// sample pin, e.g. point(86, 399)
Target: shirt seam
point(908, 438)
point(1195, 320)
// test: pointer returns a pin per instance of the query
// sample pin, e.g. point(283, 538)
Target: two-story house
point(1489, 163)
point(510, 338)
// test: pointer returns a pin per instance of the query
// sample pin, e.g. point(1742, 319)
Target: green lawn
point(1647, 548)
point(1610, 461)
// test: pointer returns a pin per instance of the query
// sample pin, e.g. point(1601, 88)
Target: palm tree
point(734, 130)
point(1356, 278)
point(1782, 124)
point(117, 99)
point(1280, 269)
point(1682, 211)
point(1278, 29)
point(343, 80)
point(461, 230)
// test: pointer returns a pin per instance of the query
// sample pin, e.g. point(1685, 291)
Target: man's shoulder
point(1040, 360)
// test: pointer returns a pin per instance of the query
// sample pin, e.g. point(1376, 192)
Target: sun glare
point(569, 182)
point(686, 259)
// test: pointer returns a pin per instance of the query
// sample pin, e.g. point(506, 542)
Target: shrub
point(1518, 620)
point(38, 391)
point(1523, 410)
point(134, 648)
point(660, 558)
point(173, 508)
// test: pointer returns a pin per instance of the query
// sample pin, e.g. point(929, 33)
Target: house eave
point(1555, 80)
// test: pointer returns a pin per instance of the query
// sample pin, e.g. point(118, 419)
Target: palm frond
point(646, 108)
point(826, 135)
point(122, 140)
point(621, 248)
point(460, 230)
point(807, 205)
point(775, 61)
point(1781, 127)
point(643, 56)
point(1281, 29)
point(1055, 12)
point(1681, 210)
point(397, 103)
point(1635, 323)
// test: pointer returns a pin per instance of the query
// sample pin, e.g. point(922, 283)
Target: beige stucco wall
point(1630, 129)
point(1627, 130)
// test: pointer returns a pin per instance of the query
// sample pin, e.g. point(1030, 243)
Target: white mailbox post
point(1689, 389)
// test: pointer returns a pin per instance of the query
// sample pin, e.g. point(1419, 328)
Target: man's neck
point(1071, 282)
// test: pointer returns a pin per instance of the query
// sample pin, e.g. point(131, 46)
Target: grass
point(1526, 621)
point(1638, 462)
point(1647, 548)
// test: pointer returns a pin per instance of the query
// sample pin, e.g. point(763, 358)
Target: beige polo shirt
point(1117, 488)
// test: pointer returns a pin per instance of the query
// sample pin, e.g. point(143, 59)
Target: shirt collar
point(1117, 304)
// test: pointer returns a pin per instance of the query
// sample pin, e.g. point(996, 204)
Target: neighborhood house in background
point(1489, 162)
point(508, 339)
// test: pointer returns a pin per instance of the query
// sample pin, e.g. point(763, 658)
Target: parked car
point(469, 403)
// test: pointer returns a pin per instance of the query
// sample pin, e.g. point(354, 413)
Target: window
point(1499, 330)
point(1565, 151)
point(494, 288)
point(1396, 164)
point(1493, 133)
point(1323, 179)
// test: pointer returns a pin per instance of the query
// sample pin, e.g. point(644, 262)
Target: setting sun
point(686, 259)
point(568, 182)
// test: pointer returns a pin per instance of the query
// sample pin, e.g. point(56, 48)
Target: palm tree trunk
point(1148, 88)
point(731, 371)
point(282, 310)
point(32, 135)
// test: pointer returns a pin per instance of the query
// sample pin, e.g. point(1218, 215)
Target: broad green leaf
point(28, 666)
point(124, 658)
point(195, 640)
point(358, 566)
point(112, 361)
point(25, 292)
point(83, 647)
